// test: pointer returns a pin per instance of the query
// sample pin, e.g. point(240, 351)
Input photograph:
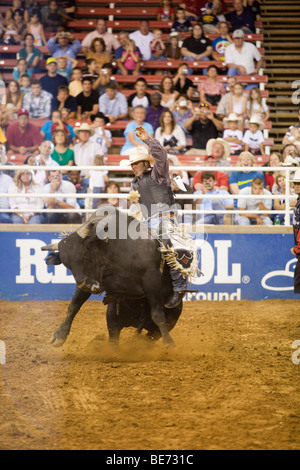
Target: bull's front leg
point(60, 335)
point(113, 322)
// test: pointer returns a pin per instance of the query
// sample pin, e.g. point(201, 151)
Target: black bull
point(128, 270)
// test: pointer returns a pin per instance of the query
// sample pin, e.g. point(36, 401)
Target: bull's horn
point(85, 229)
point(53, 247)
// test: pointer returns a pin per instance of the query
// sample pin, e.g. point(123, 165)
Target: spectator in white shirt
point(86, 150)
point(111, 42)
point(102, 136)
point(143, 38)
point(254, 138)
point(232, 133)
point(24, 184)
point(241, 57)
point(255, 204)
point(59, 188)
point(44, 159)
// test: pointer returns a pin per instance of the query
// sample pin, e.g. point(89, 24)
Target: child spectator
point(62, 66)
point(253, 137)
point(181, 24)
point(256, 106)
point(35, 28)
point(21, 69)
point(232, 134)
point(10, 35)
point(238, 101)
point(131, 58)
point(57, 123)
point(140, 97)
point(75, 85)
point(25, 83)
point(98, 179)
point(221, 42)
point(102, 136)
point(165, 12)
point(157, 46)
point(182, 111)
point(54, 18)
point(173, 51)
point(209, 20)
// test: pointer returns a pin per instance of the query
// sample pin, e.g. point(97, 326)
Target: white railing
point(287, 197)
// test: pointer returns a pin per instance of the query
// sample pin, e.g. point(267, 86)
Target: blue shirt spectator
point(64, 44)
point(113, 103)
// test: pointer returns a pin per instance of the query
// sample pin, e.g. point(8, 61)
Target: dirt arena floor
point(230, 383)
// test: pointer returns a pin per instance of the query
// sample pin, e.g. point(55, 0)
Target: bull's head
point(80, 253)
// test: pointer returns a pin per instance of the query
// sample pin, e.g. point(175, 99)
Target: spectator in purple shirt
point(155, 110)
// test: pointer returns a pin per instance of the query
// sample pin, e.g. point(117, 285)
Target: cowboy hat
point(232, 117)
point(137, 154)
point(290, 161)
point(296, 178)
point(211, 142)
point(84, 127)
point(255, 120)
point(101, 116)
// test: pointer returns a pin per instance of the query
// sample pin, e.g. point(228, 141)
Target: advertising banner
point(235, 266)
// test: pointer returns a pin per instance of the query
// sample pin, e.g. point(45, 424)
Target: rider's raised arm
point(160, 170)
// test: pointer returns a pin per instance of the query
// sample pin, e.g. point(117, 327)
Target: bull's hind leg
point(153, 290)
point(60, 335)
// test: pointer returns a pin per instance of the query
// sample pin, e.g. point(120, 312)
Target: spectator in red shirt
point(165, 12)
point(221, 179)
point(22, 136)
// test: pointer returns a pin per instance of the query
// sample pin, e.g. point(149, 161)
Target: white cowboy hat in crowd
point(255, 120)
point(137, 154)
point(232, 117)
point(84, 127)
point(290, 161)
point(226, 146)
point(296, 178)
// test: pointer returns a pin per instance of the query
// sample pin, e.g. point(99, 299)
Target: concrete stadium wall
point(252, 263)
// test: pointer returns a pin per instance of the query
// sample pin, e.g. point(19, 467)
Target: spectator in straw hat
point(253, 137)
point(86, 150)
point(220, 150)
point(232, 133)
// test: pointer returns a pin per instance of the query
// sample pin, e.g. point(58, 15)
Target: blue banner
point(236, 266)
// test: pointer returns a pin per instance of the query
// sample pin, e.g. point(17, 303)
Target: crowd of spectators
point(214, 119)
